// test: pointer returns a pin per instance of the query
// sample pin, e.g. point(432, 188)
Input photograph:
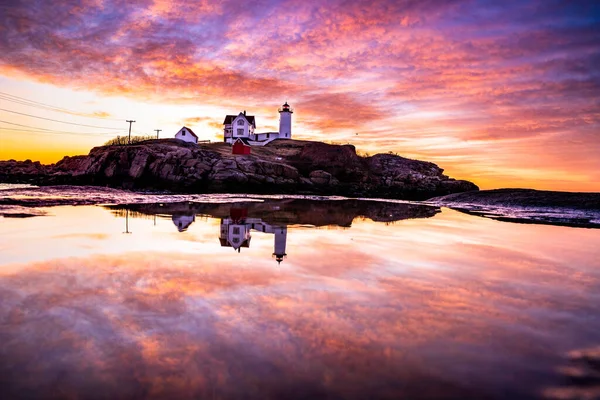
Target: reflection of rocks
point(274, 216)
point(296, 211)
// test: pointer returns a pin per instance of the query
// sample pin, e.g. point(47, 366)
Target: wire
point(44, 130)
point(65, 132)
point(44, 106)
point(56, 120)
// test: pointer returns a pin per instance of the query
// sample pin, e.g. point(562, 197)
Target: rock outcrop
point(283, 166)
point(522, 198)
point(527, 206)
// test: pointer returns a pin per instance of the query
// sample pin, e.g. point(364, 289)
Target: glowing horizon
point(504, 95)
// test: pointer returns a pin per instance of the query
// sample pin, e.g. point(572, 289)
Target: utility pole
point(127, 221)
point(157, 131)
point(130, 122)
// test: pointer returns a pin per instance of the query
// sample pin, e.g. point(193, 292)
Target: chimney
point(244, 112)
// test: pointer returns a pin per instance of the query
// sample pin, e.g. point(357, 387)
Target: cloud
point(474, 71)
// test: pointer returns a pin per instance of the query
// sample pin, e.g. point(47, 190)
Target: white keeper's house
point(243, 126)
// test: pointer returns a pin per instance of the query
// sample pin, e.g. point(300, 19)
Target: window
point(183, 132)
point(240, 131)
point(236, 230)
point(235, 240)
point(240, 122)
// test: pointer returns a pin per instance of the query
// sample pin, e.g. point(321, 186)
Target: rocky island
point(282, 166)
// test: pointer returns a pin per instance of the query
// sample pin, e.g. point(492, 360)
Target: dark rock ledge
point(282, 166)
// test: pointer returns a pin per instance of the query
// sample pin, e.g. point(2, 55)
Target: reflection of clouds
point(361, 324)
point(369, 311)
point(96, 236)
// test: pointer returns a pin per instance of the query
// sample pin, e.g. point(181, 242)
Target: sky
point(502, 93)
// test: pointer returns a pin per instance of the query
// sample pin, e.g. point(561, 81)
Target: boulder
point(320, 177)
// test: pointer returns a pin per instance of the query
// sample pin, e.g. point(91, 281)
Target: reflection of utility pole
point(154, 219)
point(130, 122)
point(157, 131)
point(127, 221)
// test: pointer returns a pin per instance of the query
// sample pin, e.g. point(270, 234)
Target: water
point(12, 186)
point(266, 297)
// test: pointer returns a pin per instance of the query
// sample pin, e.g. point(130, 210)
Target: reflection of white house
point(236, 234)
point(187, 135)
point(182, 222)
point(243, 126)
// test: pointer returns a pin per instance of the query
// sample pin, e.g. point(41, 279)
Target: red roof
point(240, 147)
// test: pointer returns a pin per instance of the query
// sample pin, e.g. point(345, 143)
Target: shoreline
point(527, 207)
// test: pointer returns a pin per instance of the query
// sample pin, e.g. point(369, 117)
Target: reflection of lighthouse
point(235, 232)
point(280, 240)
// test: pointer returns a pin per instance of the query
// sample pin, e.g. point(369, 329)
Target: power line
point(58, 132)
point(56, 120)
point(45, 130)
point(44, 106)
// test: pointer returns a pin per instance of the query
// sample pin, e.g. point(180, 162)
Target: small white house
point(182, 222)
point(187, 135)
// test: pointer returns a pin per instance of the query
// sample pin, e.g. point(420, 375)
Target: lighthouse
point(285, 121)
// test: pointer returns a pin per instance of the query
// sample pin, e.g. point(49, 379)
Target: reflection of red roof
point(238, 213)
point(189, 130)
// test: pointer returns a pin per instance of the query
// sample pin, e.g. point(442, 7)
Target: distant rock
point(528, 206)
point(282, 166)
point(522, 198)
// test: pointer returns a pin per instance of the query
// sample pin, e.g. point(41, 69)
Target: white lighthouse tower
point(285, 121)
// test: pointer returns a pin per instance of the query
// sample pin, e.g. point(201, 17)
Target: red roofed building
point(240, 146)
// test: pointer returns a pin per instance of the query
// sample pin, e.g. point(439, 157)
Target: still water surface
point(295, 299)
